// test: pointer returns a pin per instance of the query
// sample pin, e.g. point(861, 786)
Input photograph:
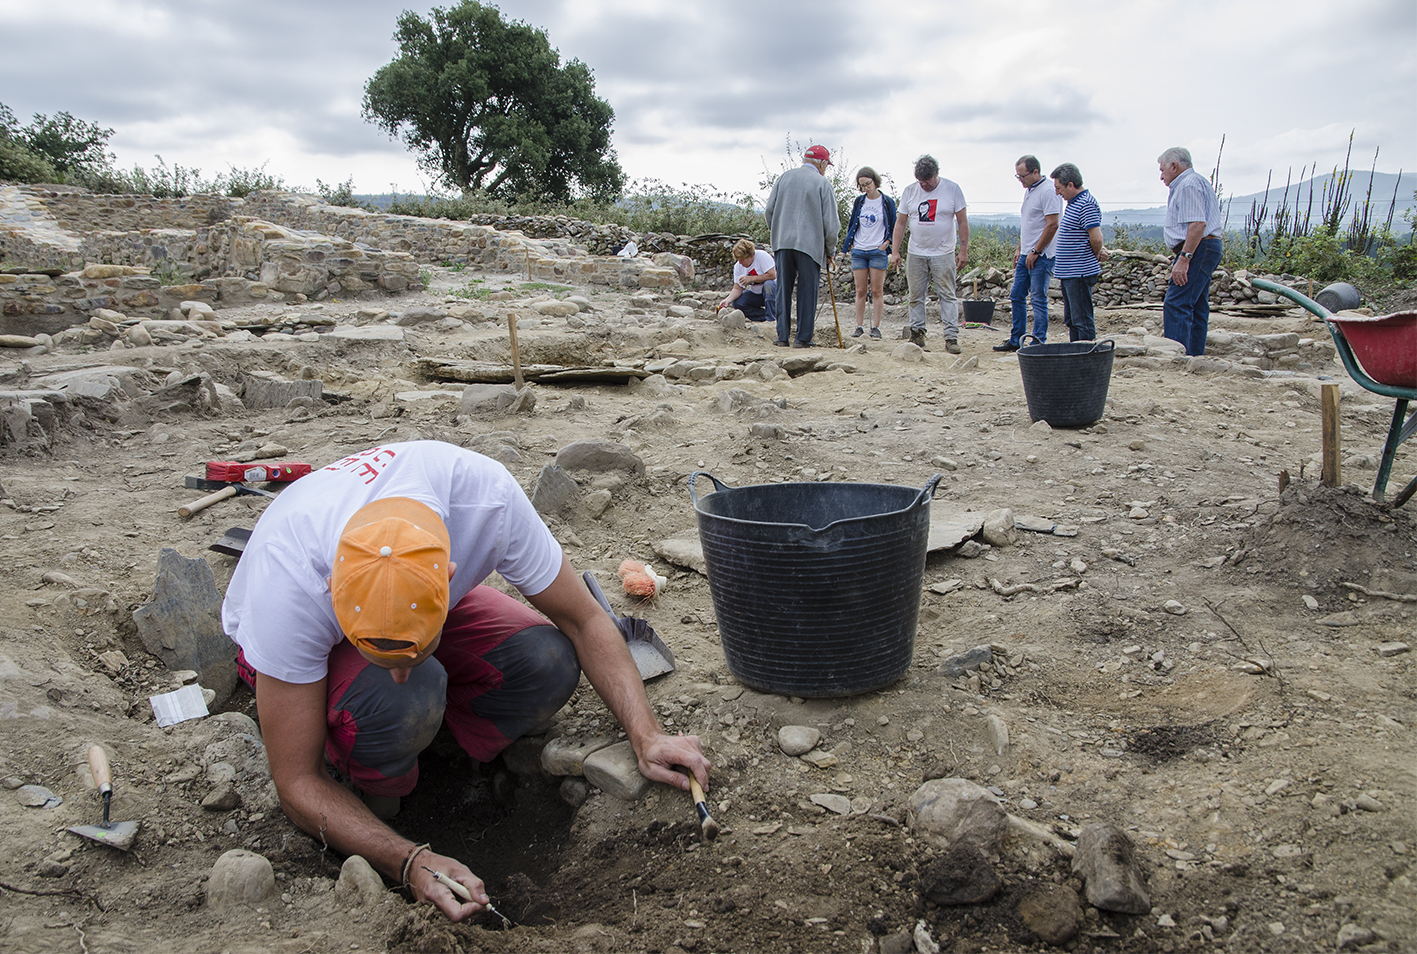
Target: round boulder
point(240, 878)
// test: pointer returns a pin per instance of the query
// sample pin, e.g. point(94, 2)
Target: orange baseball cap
point(390, 578)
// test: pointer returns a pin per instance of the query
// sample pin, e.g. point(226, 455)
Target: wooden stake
point(1331, 475)
point(516, 352)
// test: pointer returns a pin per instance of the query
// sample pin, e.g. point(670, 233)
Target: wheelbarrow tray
point(1404, 426)
point(1385, 346)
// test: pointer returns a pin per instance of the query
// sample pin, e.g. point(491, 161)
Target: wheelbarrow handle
point(717, 484)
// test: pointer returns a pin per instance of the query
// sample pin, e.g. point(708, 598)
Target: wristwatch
point(1188, 255)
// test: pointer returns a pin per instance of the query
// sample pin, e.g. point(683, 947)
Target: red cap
point(818, 152)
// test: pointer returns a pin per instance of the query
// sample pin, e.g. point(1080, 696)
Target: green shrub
point(19, 164)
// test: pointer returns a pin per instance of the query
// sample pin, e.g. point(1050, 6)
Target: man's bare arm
point(606, 661)
point(293, 729)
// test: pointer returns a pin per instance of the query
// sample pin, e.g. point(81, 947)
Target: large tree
point(488, 106)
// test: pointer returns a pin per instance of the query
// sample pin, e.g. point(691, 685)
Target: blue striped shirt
point(1191, 200)
point(1075, 257)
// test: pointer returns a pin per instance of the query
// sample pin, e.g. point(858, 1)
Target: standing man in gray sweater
point(803, 225)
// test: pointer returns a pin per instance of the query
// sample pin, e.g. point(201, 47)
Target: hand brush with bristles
point(706, 822)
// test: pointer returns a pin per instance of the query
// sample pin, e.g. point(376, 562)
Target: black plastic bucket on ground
point(815, 586)
point(1066, 383)
point(978, 312)
point(1340, 296)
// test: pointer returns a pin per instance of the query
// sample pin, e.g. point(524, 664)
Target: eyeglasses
point(1020, 178)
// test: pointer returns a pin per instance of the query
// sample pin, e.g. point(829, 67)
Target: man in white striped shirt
point(1193, 232)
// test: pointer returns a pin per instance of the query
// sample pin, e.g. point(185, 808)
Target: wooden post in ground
point(1331, 475)
point(516, 352)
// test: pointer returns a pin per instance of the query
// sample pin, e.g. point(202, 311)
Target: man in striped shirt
point(1193, 232)
point(1080, 251)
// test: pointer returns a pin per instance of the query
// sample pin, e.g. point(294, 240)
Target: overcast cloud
point(710, 92)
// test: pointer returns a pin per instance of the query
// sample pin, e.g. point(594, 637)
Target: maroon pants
point(500, 670)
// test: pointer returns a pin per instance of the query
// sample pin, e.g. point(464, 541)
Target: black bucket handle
point(1096, 345)
point(926, 493)
point(717, 485)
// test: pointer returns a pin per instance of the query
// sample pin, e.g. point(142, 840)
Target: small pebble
point(1310, 602)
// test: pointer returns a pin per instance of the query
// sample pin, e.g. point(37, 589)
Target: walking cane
point(831, 290)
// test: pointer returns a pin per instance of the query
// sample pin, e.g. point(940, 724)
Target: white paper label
point(171, 708)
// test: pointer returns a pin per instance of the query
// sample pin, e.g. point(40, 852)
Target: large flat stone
point(949, 527)
point(615, 771)
point(182, 624)
point(566, 755)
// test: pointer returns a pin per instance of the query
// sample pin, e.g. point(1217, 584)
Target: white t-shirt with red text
point(278, 607)
point(762, 264)
point(931, 217)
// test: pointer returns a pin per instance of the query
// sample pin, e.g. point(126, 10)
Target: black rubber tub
point(1066, 383)
point(815, 586)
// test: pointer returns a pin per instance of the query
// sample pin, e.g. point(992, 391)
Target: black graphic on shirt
point(926, 210)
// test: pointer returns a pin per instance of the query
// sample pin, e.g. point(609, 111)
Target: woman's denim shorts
point(869, 258)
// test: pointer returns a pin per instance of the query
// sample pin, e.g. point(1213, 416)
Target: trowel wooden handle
point(98, 765)
point(186, 510)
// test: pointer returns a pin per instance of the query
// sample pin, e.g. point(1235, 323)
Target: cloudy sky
point(710, 92)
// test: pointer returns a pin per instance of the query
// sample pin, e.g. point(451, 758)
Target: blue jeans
point(797, 269)
point(1077, 308)
point(1185, 313)
point(1030, 286)
point(757, 307)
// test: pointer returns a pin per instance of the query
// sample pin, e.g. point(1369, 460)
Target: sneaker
point(1006, 346)
point(801, 344)
point(876, 333)
point(917, 338)
point(952, 346)
point(858, 332)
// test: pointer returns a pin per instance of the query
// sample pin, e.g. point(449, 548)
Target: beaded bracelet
point(408, 862)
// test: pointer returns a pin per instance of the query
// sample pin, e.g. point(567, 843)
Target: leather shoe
point(1006, 346)
point(952, 346)
point(780, 344)
point(800, 344)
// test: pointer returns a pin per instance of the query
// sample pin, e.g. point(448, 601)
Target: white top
point(931, 216)
point(1191, 199)
point(762, 264)
point(1040, 201)
point(871, 228)
point(278, 607)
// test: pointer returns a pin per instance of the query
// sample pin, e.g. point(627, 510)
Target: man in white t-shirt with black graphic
point(363, 628)
point(934, 210)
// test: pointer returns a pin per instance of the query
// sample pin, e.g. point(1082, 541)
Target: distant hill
point(1239, 207)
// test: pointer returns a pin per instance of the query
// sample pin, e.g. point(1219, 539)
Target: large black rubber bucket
point(1066, 383)
point(816, 586)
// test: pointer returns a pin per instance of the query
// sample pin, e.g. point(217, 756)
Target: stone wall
point(553, 258)
point(87, 212)
point(188, 253)
point(312, 264)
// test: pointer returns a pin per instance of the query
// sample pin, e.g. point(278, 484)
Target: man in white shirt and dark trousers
point(934, 208)
point(1033, 260)
point(1192, 231)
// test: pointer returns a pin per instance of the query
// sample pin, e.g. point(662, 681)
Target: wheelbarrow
point(1387, 347)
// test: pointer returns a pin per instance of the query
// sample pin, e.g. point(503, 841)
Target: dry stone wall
point(87, 212)
point(444, 240)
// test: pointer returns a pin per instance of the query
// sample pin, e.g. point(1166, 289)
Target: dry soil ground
point(1257, 746)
